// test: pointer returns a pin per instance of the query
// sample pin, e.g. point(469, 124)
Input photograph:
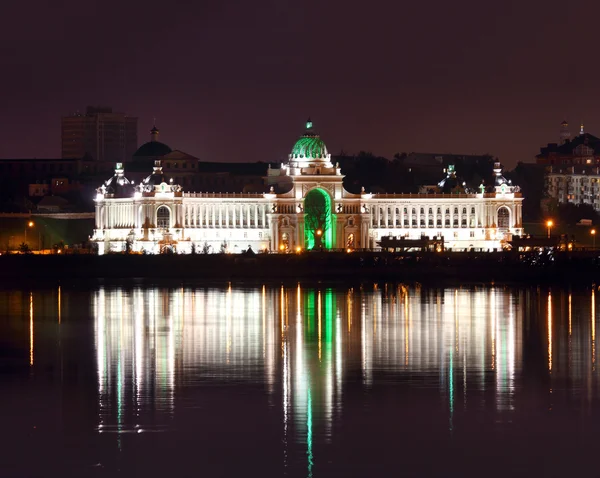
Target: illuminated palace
point(314, 212)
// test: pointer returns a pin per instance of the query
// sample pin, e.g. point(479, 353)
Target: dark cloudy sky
point(235, 80)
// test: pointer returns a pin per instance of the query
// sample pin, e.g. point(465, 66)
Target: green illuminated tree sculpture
point(317, 207)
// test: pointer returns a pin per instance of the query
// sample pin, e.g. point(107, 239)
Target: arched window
point(439, 210)
point(464, 210)
point(163, 217)
point(430, 210)
point(455, 210)
point(472, 210)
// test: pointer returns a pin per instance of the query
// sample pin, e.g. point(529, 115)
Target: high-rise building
point(99, 134)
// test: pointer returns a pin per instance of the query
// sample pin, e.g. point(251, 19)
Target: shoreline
point(563, 268)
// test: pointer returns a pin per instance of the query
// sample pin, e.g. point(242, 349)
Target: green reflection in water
point(328, 316)
point(310, 312)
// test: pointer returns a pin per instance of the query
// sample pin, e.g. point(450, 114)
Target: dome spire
point(308, 123)
point(154, 132)
point(581, 129)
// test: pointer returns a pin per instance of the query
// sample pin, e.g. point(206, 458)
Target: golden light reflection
point(549, 331)
point(31, 328)
point(228, 322)
point(493, 314)
point(406, 329)
point(593, 328)
point(570, 315)
point(264, 319)
point(59, 304)
point(349, 309)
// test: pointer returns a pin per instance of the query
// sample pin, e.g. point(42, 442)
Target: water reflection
point(321, 360)
point(302, 344)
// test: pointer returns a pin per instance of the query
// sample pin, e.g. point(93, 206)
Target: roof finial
point(154, 132)
point(308, 123)
point(581, 130)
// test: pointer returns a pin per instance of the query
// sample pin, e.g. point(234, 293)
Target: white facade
point(316, 212)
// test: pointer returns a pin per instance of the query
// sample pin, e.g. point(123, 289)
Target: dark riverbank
point(564, 268)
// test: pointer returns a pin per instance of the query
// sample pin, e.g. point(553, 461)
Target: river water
point(306, 381)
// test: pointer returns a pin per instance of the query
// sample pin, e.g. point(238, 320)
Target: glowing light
point(319, 232)
point(59, 251)
point(298, 249)
point(281, 247)
point(30, 224)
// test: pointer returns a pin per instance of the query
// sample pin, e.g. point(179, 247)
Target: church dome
point(310, 145)
point(153, 148)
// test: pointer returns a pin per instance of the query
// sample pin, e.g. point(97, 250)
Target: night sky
point(235, 81)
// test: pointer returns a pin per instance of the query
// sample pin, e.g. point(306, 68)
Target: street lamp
point(549, 224)
point(593, 233)
point(29, 224)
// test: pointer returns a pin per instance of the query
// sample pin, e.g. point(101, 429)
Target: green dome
point(310, 145)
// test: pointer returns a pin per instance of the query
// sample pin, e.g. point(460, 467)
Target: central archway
point(503, 219)
point(318, 220)
point(163, 217)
